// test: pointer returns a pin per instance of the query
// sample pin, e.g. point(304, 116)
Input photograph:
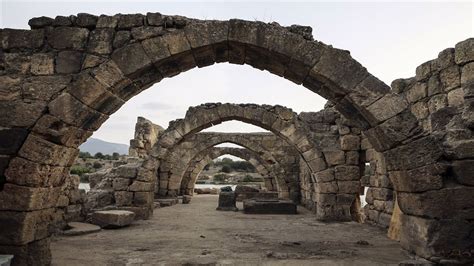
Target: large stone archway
point(205, 157)
point(61, 80)
point(173, 164)
point(276, 153)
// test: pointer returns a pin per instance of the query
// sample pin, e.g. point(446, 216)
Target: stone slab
point(167, 202)
point(253, 206)
point(77, 228)
point(256, 195)
point(113, 218)
point(227, 201)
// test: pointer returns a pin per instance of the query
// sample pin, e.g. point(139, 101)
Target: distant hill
point(94, 146)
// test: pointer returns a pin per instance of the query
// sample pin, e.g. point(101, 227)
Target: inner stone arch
point(204, 158)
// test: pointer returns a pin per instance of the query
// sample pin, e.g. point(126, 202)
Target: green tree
point(97, 165)
point(219, 178)
point(85, 155)
point(226, 169)
point(99, 155)
point(115, 156)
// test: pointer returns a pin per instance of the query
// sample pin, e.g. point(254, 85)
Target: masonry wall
point(339, 141)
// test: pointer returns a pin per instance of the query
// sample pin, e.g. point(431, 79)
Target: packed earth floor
point(197, 234)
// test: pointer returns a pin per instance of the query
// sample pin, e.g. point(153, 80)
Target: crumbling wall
point(146, 135)
point(339, 184)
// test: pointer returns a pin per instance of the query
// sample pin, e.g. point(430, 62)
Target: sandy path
point(198, 234)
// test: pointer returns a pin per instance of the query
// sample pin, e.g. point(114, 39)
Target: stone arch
point(174, 163)
point(203, 158)
point(86, 74)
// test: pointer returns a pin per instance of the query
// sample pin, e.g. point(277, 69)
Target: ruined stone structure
point(62, 79)
point(146, 135)
point(270, 149)
point(202, 159)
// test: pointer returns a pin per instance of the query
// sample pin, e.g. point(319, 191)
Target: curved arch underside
point(204, 158)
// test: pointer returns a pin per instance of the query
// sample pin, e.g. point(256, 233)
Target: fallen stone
point(253, 206)
point(77, 228)
point(166, 202)
point(227, 201)
point(113, 219)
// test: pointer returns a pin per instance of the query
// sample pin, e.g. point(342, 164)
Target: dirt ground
point(197, 234)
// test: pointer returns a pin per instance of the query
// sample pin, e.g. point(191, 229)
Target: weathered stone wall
point(339, 184)
point(121, 188)
point(146, 135)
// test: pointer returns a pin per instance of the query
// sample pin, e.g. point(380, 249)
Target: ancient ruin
point(410, 144)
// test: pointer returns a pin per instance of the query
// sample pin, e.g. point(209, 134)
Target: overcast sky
point(390, 39)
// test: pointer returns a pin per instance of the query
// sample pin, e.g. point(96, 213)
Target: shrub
point(247, 178)
point(226, 169)
point(84, 155)
point(97, 165)
point(219, 178)
point(99, 155)
point(115, 156)
point(79, 170)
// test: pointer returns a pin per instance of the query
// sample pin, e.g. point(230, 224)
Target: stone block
point(326, 187)
point(32, 174)
point(350, 142)
point(39, 150)
point(467, 73)
point(78, 228)
point(423, 71)
point(443, 203)
point(20, 198)
point(33, 253)
point(464, 51)
point(456, 97)
point(75, 113)
point(334, 157)
point(348, 187)
point(143, 198)
point(387, 106)
point(138, 186)
point(113, 218)
point(129, 21)
point(154, 19)
point(464, 171)
point(325, 176)
point(450, 78)
point(417, 92)
point(420, 110)
point(68, 38)
point(119, 184)
point(107, 21)
point(255, 206)
point(145, 32)
point(100, 41)
point(121, 38)
point(412, 155)
point(227, 201)
point(346, 172)
point(446, 58)
point(131, 59)
point(352, 158)
point(86, 20)
point(31, 39)
point(68, 62)
point(42, 64)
